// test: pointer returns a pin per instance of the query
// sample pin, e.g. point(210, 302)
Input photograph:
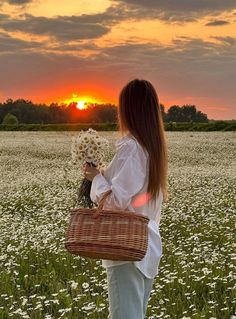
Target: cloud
point(92, 26)
point(4, 16)
point(63, 28)
point(66, 28)
point(216, 23)
point(226, 40)
point(14, 46)
point(191, 60)
point(75, 27)
point(184, 5)
point(9, 44)
point(18, 2)
point(176, 10)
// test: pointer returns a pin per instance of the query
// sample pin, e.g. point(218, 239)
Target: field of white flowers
point(39, 279)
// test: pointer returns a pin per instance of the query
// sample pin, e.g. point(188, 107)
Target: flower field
point(40, 279)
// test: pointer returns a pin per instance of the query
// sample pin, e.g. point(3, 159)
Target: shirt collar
point(123, 139)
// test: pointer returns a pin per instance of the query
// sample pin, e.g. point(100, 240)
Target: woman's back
point(128, 145)
point(127, 176)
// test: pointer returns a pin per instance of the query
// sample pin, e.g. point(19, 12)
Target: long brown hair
point(139, 113)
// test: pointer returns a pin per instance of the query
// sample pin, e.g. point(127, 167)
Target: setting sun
point(81, 105)
point(81, 101)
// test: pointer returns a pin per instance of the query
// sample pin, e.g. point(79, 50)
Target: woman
point(137, 176)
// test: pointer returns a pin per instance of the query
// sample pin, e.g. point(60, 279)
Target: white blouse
point(127, 177)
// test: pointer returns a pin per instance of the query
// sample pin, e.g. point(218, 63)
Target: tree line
point(26, 112)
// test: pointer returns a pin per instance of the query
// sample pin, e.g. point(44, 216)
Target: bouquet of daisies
point(88, 147)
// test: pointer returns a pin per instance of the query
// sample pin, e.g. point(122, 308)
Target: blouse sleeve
point(128, 180)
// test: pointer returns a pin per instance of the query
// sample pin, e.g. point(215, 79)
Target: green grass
point(169, 126)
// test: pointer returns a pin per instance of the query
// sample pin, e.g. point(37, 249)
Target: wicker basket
point(107, 234)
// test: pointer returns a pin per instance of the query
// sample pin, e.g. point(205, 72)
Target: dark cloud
point(176, 10)
point(64, 28)
point(189, 59)
point(92, 26)
point(216, 23)
point(18, 2)
point(4, 16)
point(226, 40)
point(186, 5)
point(9, 44)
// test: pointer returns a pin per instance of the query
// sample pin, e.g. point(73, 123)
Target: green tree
point(174, 114)
point(10, 119)
point(185, 113)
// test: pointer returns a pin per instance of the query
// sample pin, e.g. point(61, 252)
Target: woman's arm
point(128, 179)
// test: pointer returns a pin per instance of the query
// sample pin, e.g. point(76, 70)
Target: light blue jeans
point(128, 292)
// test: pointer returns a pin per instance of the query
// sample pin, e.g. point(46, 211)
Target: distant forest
point(27, 112)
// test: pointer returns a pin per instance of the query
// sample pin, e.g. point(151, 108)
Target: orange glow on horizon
point(81, 101)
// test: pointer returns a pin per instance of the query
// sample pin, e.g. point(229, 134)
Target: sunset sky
point(52, 50)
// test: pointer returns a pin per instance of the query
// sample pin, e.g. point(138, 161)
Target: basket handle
point(101, 202)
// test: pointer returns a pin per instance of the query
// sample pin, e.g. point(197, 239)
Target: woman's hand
point(90, 171)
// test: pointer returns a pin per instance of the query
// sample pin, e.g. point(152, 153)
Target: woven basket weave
point(107, 234)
